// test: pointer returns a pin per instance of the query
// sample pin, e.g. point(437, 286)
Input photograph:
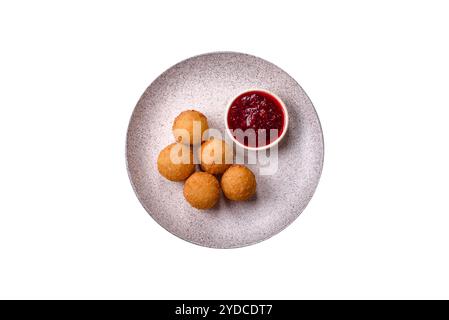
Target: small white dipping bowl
point(273, 143)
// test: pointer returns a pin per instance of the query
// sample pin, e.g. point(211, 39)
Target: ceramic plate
point(206, 83)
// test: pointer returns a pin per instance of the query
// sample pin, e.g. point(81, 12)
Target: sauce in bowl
point(256, 110)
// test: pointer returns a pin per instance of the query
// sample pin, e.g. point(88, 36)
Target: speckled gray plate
point(206, 83)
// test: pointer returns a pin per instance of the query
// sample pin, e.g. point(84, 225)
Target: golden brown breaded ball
point(202, 190)
point(184, 124)
point(175, 162)
point(216, 156)
point(238, 183)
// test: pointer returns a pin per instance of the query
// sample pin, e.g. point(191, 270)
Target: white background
point(71, 74)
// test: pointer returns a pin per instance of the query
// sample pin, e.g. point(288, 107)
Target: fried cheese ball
point(216, 156)
point(202, 190)
point(189, 126)
point(238, 183)
point(175, 162)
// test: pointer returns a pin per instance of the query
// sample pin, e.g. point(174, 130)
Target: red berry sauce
point(256, 110)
